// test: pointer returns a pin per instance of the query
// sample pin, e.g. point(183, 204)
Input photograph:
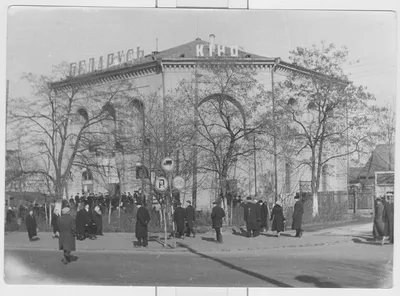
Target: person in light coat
point(379, 224)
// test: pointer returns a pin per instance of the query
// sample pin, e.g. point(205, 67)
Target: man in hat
point(142, 221)
point(379, 224)
point(298, 215)
point(179, 219)
point(264, 215)
point(67, 229)
point(31, 226)
point(258, 216)
point(217, 214)
point(388, 217)
point(250, 216)
point(190, 218)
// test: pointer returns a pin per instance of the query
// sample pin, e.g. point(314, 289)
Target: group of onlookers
point(105, 200)
point(383, 227)
point(184, 219)
point(257, 215)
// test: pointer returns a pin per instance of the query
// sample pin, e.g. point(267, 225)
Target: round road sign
point(167, 164)
point(179, 182)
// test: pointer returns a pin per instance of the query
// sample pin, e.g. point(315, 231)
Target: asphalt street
point(348, 265)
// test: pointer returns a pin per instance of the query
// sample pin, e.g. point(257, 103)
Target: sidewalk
point(117, 242)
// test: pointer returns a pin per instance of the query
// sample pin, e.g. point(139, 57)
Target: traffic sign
point(161, 184)
point(167, 164)
point(179, 182)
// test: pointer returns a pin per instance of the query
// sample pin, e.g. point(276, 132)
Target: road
point(347, 265)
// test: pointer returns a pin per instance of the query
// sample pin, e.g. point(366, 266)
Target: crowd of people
point(88, 221)
point(383, 227)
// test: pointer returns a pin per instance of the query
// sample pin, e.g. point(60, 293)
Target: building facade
point(157, 76)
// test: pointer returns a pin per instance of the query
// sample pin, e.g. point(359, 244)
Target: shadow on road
point(237, 268)
point(209, 239)
point(316, 281)
point(367, 242)
point(241, 233)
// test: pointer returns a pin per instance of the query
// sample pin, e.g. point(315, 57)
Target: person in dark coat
point(54, 223)
point(10, 215)
point(388, 218)
point(77, 200)
point(264, 215)
point(179, 219)
point(379, 224)
point(98, 220)
point(66, 240)
point(250, 216)
point(297, 216)
point(142, 221)
point(217, 214)
point(190, 219)
point(31, 226)
point(277, 219)
point(258, 211)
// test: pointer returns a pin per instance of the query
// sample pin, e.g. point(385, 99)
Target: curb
point(183, 249)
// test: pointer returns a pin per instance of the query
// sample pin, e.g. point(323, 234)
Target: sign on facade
point(105, 62)
point(219, 50)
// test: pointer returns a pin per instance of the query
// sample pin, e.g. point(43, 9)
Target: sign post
point(161, 185)
point(168, 164)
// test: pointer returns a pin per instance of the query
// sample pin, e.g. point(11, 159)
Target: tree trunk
point(109, 212)
point(314, 190)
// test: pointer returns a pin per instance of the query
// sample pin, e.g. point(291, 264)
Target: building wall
point(152, 83)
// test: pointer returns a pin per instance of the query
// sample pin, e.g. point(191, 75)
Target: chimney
point(212, 44)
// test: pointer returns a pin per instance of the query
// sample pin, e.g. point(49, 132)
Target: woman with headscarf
point(31, 226)
point(98, 220)
point(277, 219)
point(66, 241)
point(379, 224)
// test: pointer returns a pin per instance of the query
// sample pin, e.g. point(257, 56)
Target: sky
point(41, 37)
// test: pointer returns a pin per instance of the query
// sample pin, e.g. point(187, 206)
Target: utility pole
point(255, 165)
point(194, 182)
point(274, 130)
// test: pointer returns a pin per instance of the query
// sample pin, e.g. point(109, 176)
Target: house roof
point(354, 174)
point(188, 50)
point(184, 54)
point(381, 159)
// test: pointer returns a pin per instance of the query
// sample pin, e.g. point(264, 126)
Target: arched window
point(87, 175)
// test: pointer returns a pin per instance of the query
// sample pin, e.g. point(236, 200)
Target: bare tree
point(327, 113)
point(218, 106)
point(57, 122)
